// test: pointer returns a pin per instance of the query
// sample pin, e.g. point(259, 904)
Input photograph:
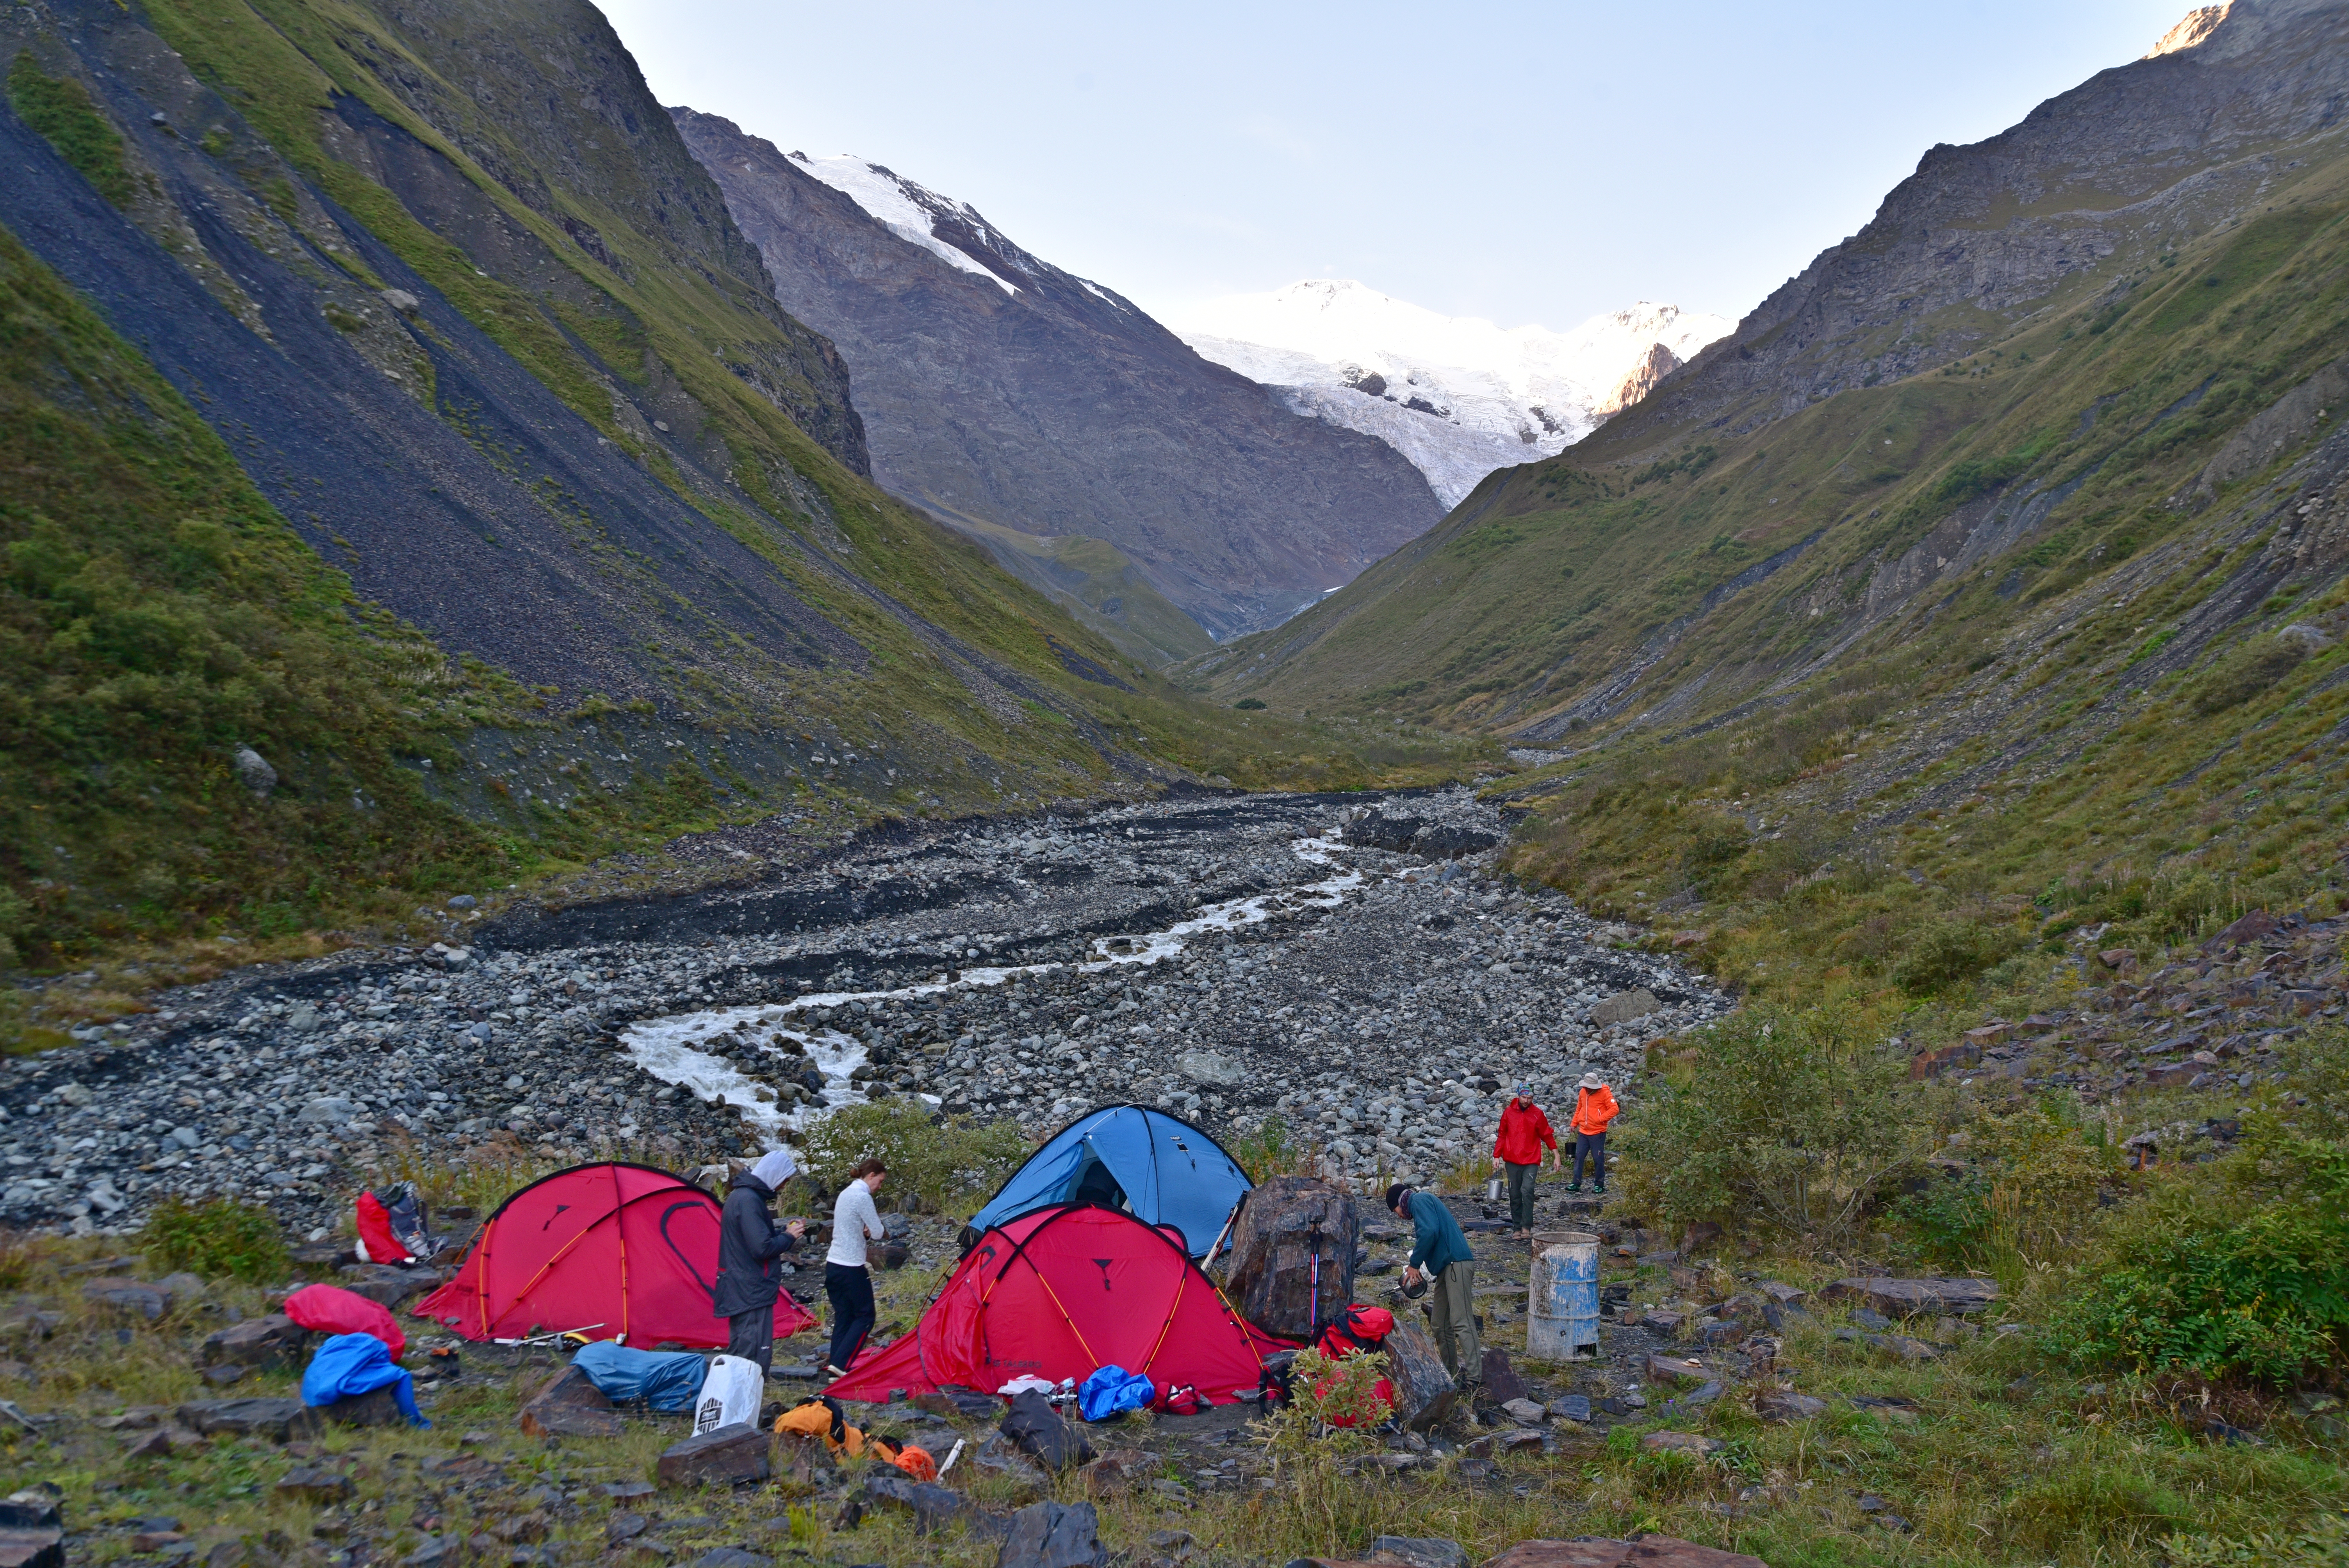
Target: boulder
point(1669, 1371)
point(1786, 1407)
point(128, 1296)
point(1625, 1006)
point(1418, 1552)
point(727, 1456)
point(376, 1407)
point(270, 1344)
point(279, 1420)
point(1689, 1443)
point(1646, 1552)
point(1525, 1412)
point(1053, 1535)
point(934, 1507)
point(161, 1443)
point(1502, 1383)
point(569, 1405)
point(1425, 1391)
point(316, 1484)
point(32, 1548)
point(387, 1283)
point(1570, 1408)
point(1915, 1297)
point(1284, 1225)
point(1934, 1063)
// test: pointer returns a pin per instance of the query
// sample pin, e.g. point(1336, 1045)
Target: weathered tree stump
point(1285, 1226)
point(1425, 1391)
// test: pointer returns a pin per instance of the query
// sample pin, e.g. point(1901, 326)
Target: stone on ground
point(1054, 1535)
point(1284, 1226)
point(728, 1455)
point(570, 1405)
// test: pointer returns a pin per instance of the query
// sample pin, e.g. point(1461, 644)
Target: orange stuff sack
point(916, 1462)
point(823, 1419)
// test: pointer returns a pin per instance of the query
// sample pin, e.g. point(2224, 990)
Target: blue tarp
point(1158, 1168)
point(666, 1381)
point(349, 1364)
point(1112, 1391)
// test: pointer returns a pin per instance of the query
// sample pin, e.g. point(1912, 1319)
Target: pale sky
point(1522, 162)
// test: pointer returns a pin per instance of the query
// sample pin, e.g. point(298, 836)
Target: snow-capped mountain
point(1038, 410)
point(1457, 395)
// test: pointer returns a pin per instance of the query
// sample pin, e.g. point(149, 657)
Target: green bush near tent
point(948, 1166)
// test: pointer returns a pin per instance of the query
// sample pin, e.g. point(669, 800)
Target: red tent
point(613, 1250)
point(1059, 1292)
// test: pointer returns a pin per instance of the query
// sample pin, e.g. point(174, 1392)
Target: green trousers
point(1453, 1304)
point(1521, 1194)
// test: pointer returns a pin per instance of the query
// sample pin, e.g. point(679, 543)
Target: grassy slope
point(1097, 584)
point(144, 661)
point(1555, 577)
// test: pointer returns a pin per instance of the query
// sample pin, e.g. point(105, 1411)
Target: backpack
point(822, 1418)
point(1273, 1386)
point(1037, 1429)
point(1358, 1328)
point(1185, 1400)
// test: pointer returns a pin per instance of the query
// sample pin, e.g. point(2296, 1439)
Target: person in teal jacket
point(1438, 1252)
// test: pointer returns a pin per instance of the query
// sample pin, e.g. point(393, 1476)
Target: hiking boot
point(1600, 1188)
point(1577, 1187)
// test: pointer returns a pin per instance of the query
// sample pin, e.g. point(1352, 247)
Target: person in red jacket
point(1594, 1107)
point(1518, 1144)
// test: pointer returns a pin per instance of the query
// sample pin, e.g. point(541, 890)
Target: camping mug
point(1493, 1191)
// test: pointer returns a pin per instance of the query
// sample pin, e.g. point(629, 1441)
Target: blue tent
point(1158, 1168)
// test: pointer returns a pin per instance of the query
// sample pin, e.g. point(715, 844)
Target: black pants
point(1590, 1146)
point(751, 1336)
point(850, 1291)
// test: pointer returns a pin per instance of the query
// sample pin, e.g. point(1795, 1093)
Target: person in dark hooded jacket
point(748, 1244)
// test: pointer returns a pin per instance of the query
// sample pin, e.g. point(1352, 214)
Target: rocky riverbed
point(1341, 963)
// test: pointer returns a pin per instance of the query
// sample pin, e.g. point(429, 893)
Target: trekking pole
point(1314, 1235)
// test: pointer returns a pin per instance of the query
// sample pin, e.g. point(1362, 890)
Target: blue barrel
point(1562, 1318)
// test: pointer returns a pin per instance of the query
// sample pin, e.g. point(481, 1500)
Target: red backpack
point(1359, 1329)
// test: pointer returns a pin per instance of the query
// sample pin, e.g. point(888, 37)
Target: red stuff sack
point(330, 1309)
point(377, 1243)
point(1185, 1400)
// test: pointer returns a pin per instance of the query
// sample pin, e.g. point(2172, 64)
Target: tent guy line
point(669, 1047)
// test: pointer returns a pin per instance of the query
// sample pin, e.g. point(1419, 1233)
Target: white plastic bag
point(729, 1394)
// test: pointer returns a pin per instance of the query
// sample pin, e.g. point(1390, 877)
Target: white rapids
point(670, 1050)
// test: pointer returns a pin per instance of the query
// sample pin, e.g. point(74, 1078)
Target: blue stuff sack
point(665, 1380)
point(350, 1364)
point(1112, 1391)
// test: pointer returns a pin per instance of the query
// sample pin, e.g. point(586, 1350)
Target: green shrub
point(1249, 704)
point(2246, 1277)
point(1802, 1120)
point(218, 1238)
point(949, 1165)
point(1942, 953)
point(2244, 672)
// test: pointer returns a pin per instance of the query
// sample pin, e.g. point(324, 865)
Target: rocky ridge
point(1379, 1001)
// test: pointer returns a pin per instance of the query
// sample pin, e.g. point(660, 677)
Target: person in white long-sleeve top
point(847, 1281)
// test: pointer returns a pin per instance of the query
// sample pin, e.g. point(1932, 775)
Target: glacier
point(1457, 395)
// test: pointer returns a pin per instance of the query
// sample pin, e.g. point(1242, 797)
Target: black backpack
point(1275, 1386)
point(1039, 1431)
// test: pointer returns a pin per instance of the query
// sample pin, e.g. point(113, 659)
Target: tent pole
point(1229, 1221)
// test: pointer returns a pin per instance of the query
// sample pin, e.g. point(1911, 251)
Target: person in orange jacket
point(1523, 1131)
point(1594, 1107)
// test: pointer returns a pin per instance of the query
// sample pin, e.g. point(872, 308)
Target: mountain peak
point(1458, 396)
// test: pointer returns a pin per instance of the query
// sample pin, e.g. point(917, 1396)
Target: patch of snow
point(1457, 395)
point(908, 211)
